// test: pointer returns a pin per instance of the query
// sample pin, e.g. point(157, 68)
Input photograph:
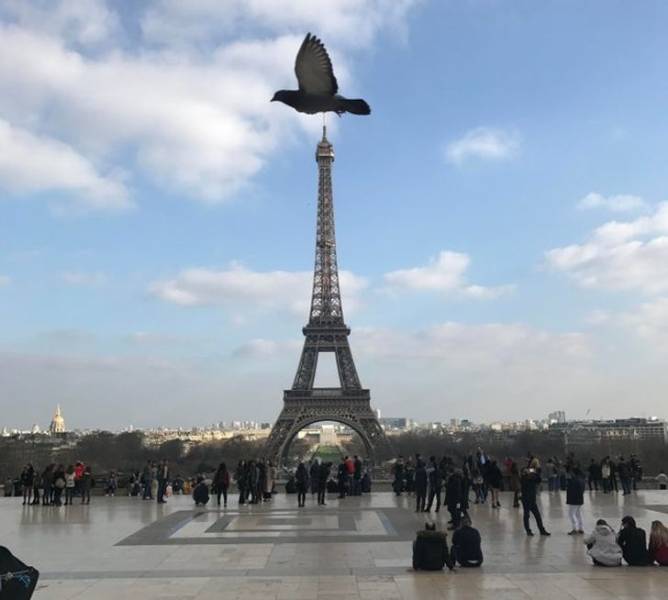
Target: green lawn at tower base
point(331, 454)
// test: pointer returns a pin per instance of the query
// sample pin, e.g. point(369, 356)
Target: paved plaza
point(356, 548)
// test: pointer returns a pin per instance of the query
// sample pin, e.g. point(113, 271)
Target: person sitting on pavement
point(201, 492)
point(602, 546)
point(633, 541)
point(430, 550)
point(658, 543)
point(466, 547)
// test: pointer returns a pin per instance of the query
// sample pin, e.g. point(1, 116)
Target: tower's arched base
point(303, 408)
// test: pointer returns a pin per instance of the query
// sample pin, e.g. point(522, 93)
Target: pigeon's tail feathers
point(356, 107)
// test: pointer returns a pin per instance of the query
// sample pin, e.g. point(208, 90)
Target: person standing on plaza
point(269, 480)
point(323, 477)
point(78, 475)
point(27, 481)
point(605, 475)
point(59, 484)
point(398, 476)
point(575, 499)
point(47, 484)
point(633, 542)
point(592, 475)
point(357, 476)
point(240, 476)
point(515, 483)
point(454, 497)
point(146, 481)
point(530, 480)
point(421, 481)
point(658, 544)
point(69, 485)
point(163, 478)
point(85, 485)
point(221, 483)
point(342, 478)
point(409, 470)
point(624, 470)
point(301, 481)
point(313, 472)
point(435, 484)
point(494, 482)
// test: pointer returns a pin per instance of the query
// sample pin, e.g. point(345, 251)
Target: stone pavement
point(356, 548)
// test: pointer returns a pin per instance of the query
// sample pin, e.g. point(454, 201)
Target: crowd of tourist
point(482, 476)
point(434, 482)
point(48, 487)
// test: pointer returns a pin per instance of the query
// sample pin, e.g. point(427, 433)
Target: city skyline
point(501, 228)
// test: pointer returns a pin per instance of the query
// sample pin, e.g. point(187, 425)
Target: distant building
point(57, 423)
point(635, 428)
point(395, 423)
point(558, 416)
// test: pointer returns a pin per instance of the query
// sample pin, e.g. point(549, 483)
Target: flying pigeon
point(317, 85)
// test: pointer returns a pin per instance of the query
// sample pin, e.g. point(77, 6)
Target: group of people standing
point(351, 479)
point(48, 487)
point(255, 480)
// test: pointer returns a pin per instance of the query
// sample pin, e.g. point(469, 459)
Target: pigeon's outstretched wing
point(314, 68)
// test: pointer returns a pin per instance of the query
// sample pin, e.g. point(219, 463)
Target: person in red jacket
point(658, 543)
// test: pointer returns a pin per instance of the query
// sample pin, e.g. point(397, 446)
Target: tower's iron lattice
point(326, 331)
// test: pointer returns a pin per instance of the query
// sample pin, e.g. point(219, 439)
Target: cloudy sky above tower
point(502, 216)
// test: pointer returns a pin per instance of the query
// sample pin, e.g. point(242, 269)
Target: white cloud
point(30, 163)
point(649, 321)
point(353, 22)
point(192, 112)
point(263, 348)
point(86, 22)
point(629, 255)
point(483, 143)
point(80, 278)
point(4, 280)
point(616, 203)
point(240, 289)
point(445, 273)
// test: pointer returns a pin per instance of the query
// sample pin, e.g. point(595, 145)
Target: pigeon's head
point(286, 96)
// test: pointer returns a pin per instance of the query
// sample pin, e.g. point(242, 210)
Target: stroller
point(17, 580)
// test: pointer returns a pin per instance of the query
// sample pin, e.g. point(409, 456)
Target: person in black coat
point(494, 480)
point(633, 542)
point(454, 497)
point(420, 486)
point(530, 480)
point(466, 545)
point(430, 550)
point(435, 484)
point(323, 476)
point(201, 492)
point(575, 499)
point(314, 475)
point(301, 479)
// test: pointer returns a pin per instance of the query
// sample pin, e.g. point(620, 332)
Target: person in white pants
point(575, 499)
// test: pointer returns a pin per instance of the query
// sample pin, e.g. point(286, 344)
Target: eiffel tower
point(349, 404)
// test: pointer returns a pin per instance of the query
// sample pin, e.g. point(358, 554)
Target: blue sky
point(499, 215)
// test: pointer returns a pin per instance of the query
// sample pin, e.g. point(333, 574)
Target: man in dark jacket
point(430, 550)
point(466, 545)
point(530, 480)
point(633, 542)
point(420, 486)
point(454, 497)
point(435, 484)
point(323, 476)
point(357, 476)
